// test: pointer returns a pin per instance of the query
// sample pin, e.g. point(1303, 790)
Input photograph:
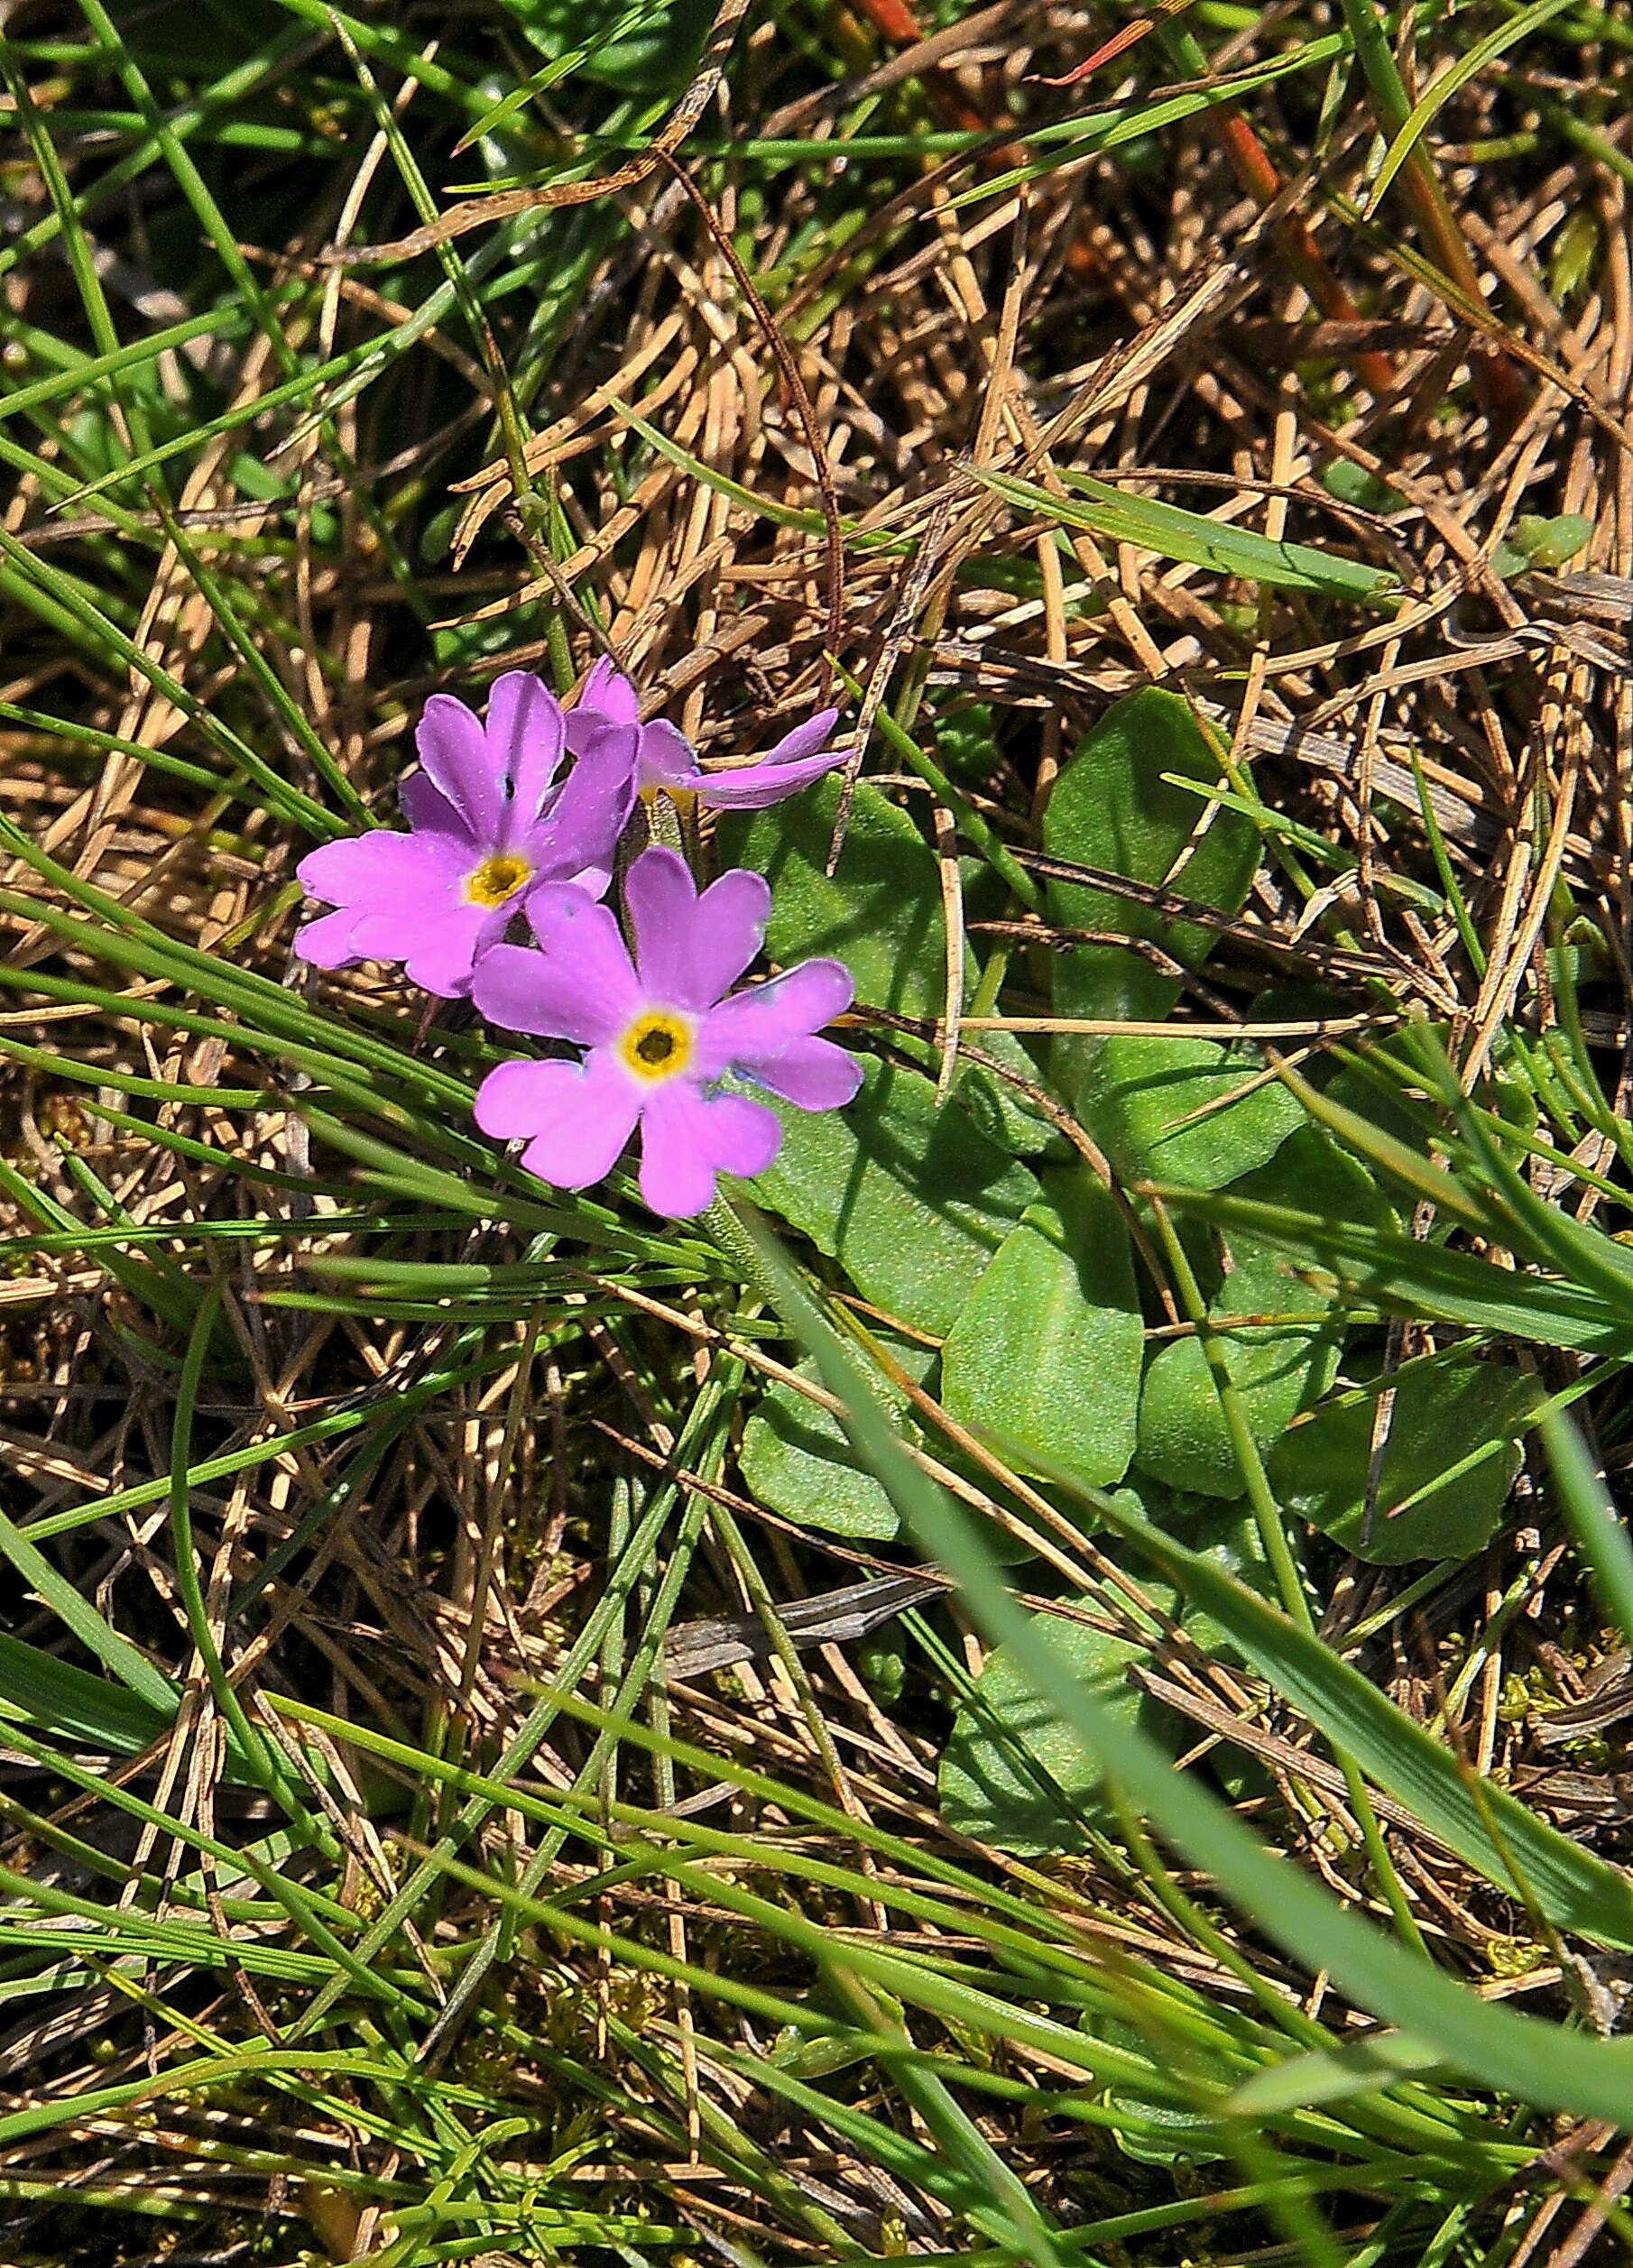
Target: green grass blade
point(1493, 1830)
point(1177, 534)
point(1600, 1531)
point(1522, 2056)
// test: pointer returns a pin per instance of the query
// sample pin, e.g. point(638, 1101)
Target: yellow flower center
point(497, 878)
point(657, 1044)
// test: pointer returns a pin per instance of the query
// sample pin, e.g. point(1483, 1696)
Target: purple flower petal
point(688, 949)
point(661, 897)
point(327, 943)
point(526, 732)
point(577, 1117)
point(429, 812)
point(385, 868)
point(757, 1027)
point(580, 987)
point(450, 950)
point(453, 750)
point(668, 759)
point(686, 1138)
point(607, 688)
point(751, 787)
point(813, 1073)
point(436, 944)
point(804, 740)
point(584, 823)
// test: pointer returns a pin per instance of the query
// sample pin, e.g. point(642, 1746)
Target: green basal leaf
point(638, 49)
point(1013, 1773)
point(1452, 1455)
point(880, 913)
point(907, 1195)
point(797, 1457)
point(1111, 807)
point(1277, 1371)
point(1541, 2062)
point(1158, 2132)
point(1048, 1349)
point(1192, 1111)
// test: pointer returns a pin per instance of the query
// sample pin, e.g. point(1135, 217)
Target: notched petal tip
point(326, 942)
point(607, 688)
point(455, 749)
point(526, 731)
point(836, 980)
point(553, 908)
point(575, 1117)
point(503, 1106)
point(658, 860)
point(689, 1137)
point(813, 1074)
point(310, 871)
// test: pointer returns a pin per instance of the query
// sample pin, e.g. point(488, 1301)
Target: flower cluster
point(499, 834)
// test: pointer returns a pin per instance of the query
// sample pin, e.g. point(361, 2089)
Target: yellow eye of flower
point(497, 878)
point(657, 1044)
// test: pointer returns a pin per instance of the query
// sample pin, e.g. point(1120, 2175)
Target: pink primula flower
point(660, 1034)
point(664, 758)
point(487, 824)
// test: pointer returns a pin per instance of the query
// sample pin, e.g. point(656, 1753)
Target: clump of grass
point(458, 1802)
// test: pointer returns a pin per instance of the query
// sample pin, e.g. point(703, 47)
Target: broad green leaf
point(1451, 1459)
point(1276, 1371)
point(1013, 1773)
point(1159, 2132)
point(880, 912)
point(908, 1197)
point(966, 740)
point(1048, 1349)
point(641, 50)
point(1192, 1111)
point(998, 1109)
point(797, 1456)
point(1111, 807)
